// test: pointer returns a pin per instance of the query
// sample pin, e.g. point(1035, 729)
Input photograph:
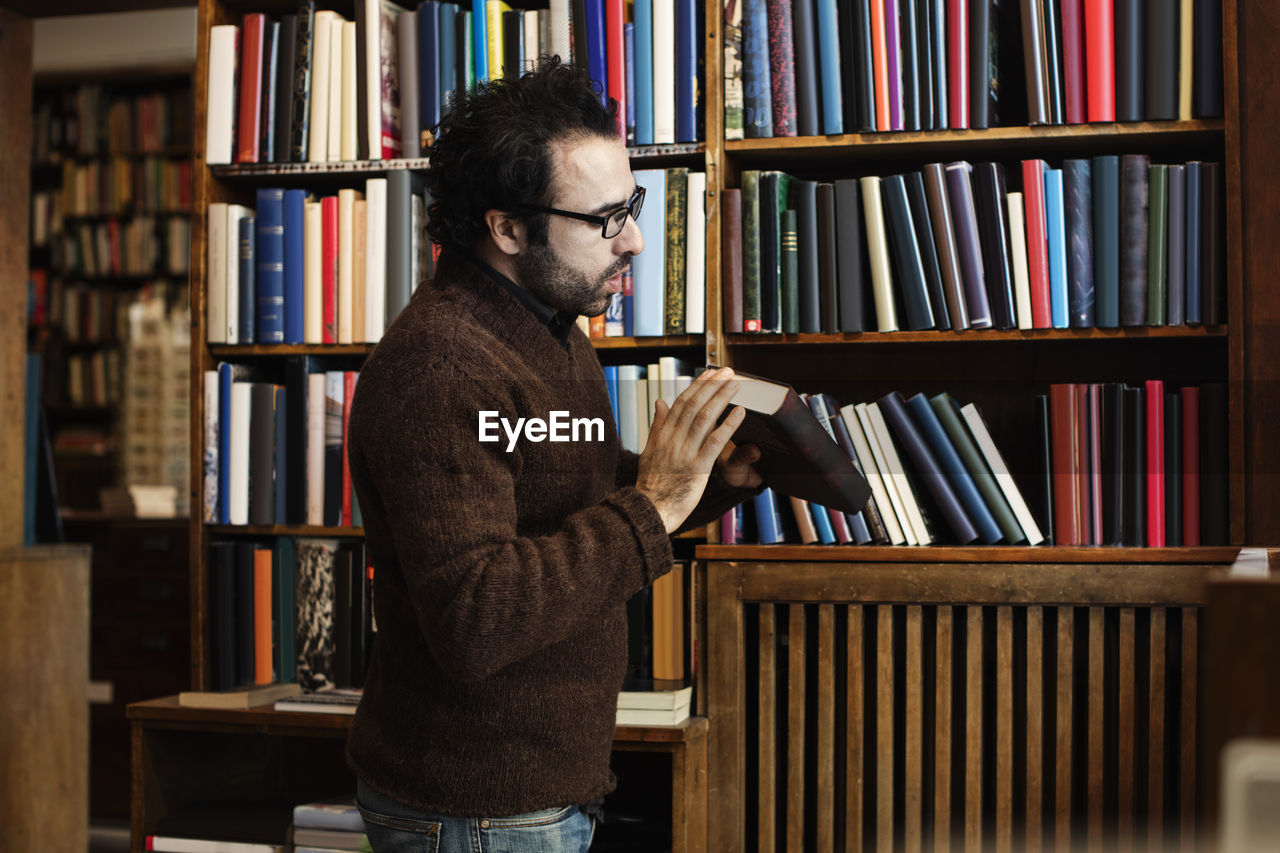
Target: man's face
point(578, 269)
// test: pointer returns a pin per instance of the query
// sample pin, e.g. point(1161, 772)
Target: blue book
point(596, 47)
point(224, 443)
point(768, 525)
point(429, 64)
point(279, 456)
point(448, 54)
point(270, 263)
point(1191, 270)
point(650, 266)
point(858, 527)
point(966, 490)
point(687, 70)
point(294, 261)
point(614, 325)
point(757, 91)
point(248, 274)
point(479, 41)
point(629, 71)
point(611, 385)
point(822, 523)
point(1056, 231)
point(282, 593)
point(644, 71)
point(828, 27)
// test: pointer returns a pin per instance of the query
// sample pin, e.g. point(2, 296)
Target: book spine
point(993, 232)
point(880, 65)
point(1185, 58)
point(1172, 470)
point(909, 62)
point(788, 230)
point(1194, 236)
point(1037, 242)
point(980, 37)
point(1129, 60)
point(965, 217)
point(1065, 464)
point(1073, 73)
point(893, 56)
point(1113, 463)
point(1050, 14)
point(1055, 232)
point(267, 105)
point(1190, 450)
point(828, 27)
point(1212, 257)
point(800, 305)
point(881, 282)
point(1100, 60)
point(944, 235)
point(926, 22)
point(677, 191)
point(616, 70)
point(1077, 181)
point(1155, 463)
point(246, 324)
point(329, 269)
point(757, 79)
point(1134, 169)
point(262, 429)
point(1135, 452)
point(906, 254)
point(649, 267)
point(865, 64)
point(1176, 262)
point(850, 258)
point(731, 259)
point(751, 251)
point(782, 66)
point(248, 123)
point(1018, 247)
point(1160, 55)
point(966, 491)
point(664, 65)
point(1207, 86)
point(734, 101)
point(948, 415)
point(928, 249)
point(958, 63)
point(1106, 241)
point(629, 81)
point(828, 292)
point(696, 256)
point(1157, 246)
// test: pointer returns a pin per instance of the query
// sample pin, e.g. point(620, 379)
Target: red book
point(1065, 449)
point(248, 124)
point(1084, 474)
point(262, 608)
point(1037, 248)
point(1100, 59)
point(880, 66)
point(614, 60)
point(329, 269)
point(1155, 463)
point(731, 258)
point(348, 391)
point(1073, 60)
point(839, 526)
point(1190, 466)
point(957, 63)
point(782, 65)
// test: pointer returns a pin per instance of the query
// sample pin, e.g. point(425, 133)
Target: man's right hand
point(684, 443)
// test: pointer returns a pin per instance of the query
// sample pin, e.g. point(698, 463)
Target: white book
point(649, 268)
point(878, 249)
point(336, 45)
point(235, 212)
point(899, 473)
point(644, 410)
point(559, 38)
point(312, 280)
point(978, 427)
point(654, 376)
point(1021, 274)
point(530, 40)
point(216, 291)
point(897, 506)
point(655, 700)
point(210, 472)
point(321, 36)
point(664, 72)
point(651, 717)
point(628, 430)
point(696, 256)
point(238, 485)
point(668, 370)
point(170, 844)
point(350, 106)
point(346, 261)
point(371, 121)
point(375, 254)
point(220, 95)
point(867, 462)
point(315, 448)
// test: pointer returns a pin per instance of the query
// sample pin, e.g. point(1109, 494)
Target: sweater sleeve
point(442, 505)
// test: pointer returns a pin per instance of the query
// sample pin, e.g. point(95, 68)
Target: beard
point(546, 274)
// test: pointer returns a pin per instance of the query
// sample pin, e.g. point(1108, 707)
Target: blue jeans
point(394, 828)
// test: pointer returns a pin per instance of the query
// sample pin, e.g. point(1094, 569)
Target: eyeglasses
point(612, 222)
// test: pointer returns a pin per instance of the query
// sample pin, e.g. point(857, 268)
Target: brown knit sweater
point(500, 578)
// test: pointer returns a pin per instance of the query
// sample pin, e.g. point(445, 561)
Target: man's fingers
point(720, 436)
point(693, 398)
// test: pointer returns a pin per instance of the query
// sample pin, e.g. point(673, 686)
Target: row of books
point(828, 67)
point(300, 269)
point(291, 611)
point(276, 452)
point(1111, 241)
point(85, 315)
point(669, 276)
point(633, 390)
point(115, 187)
point(656, 632)
point(91, 379)
point(93, 119)
point(141, 246)
point(1138, 466)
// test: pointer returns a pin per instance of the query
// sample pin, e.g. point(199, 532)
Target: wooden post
point(15, 192)
point(44, 706)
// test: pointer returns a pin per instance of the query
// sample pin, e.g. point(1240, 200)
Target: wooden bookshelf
point(975, 336)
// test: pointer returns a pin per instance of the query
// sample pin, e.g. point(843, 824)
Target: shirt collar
point(559, 323)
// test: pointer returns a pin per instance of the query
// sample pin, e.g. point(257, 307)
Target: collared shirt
point(560, 323)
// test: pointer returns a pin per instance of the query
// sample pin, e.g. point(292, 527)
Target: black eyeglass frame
point(631, 208)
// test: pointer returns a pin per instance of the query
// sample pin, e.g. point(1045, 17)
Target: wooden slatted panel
point(1096, 697)
point(1187, 768)
point(855, 731)
point(1035, 728)
point(942, 733)
point(1126, 734)
point(1004, 730)
point(973, 734)
point(795, 728)
point(884, 728)
point(767, 747)
point(914, 738)
point(1155, 733)
point(825, 784)
point(1064, 734)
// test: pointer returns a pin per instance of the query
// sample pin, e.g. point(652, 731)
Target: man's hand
point(684, 442)
point(737, 466)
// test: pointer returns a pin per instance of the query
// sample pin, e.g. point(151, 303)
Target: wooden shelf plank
point(971, 336)
point(665, 341)
point(978, 554)
point(282, 530)
point(244, 350)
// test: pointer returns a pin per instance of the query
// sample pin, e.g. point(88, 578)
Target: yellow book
point(493, 10)
point(1184, 61)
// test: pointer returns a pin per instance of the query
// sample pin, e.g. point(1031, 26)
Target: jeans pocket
point(558, 830)
point(542, 817)
point(391, 834)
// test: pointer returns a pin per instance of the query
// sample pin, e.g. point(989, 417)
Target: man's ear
point(507, 232)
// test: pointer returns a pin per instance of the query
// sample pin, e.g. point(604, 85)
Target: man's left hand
point(736, 466)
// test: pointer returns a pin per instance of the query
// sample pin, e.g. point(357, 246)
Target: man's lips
point(614, 284)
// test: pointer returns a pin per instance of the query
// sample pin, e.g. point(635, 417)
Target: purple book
point(964, 216)
point(893, 54)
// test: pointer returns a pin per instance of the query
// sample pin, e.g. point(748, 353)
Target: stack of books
point(331, 825)
point(654, 707)
point(331, 700)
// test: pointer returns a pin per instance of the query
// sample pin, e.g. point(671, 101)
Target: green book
point(948, 413)
point(790, 246)
point(751, 250)
point(677, 235)
point(1157, 245)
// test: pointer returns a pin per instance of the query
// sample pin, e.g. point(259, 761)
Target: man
point(502, 568)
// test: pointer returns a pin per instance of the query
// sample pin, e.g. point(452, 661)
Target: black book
point(828, 290)
point(808, 116)
point(910, 59)
point(1172, 470)
point(222, 567)
point(1042, 494)
point(1213, 464)
point(286, 57)
point(1212, 257)
point(1053, 59)
point(270, 88)
point(513, 46)
point(906, 254)
point(979, 64)
point(928, 249)
point(1206, 84)
point(1134, 185)
point(805, 199)
point(851, 257)
point(1113, 464)
point(1077, 186)
point(293, 471)
point(926, 23)
point(244, 634)
point(1135, 459)
point(1106, 241)
point(790, 272)
point(857, 82)
point(262, 437)
point(798, 457)
point(1129, 62)
point(772, 194)
point(990, 194)
point(1161, 62)
point(299, 112)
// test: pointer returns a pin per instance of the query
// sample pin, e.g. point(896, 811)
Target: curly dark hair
point(493, 149)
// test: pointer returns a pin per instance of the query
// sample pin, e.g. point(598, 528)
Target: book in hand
point(797, 456)
point(247, 696)
point(330, 700)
